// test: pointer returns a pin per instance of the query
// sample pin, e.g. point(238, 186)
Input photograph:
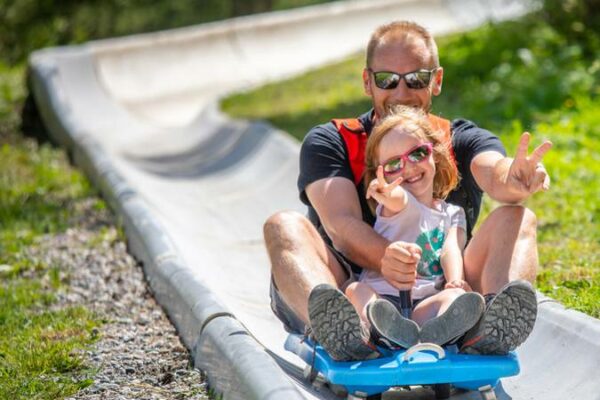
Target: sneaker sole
point(336, 325)
point(507, 322)
point(390, 324)
point(459, 318)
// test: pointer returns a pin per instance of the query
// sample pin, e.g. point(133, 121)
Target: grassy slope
point(40, 345)
point(509, 77)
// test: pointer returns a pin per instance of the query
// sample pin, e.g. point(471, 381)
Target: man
point(337, 239)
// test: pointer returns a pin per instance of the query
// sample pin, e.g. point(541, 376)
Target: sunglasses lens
point(392, 166)
point(419, 154)
point(418, 79)
point(414, 80)
point(386, 80)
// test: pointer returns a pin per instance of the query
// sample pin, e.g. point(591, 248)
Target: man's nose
point(401, 94)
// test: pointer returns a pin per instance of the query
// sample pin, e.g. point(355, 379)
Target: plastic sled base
point(424, 364)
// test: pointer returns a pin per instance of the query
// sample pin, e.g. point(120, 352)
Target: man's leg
point(501, 262)
point(502, 250)
point(307, 275)
point(300, 260)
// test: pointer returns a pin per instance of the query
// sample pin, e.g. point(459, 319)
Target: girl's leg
point(448, 315)
point(435, 305)
point(361, 294)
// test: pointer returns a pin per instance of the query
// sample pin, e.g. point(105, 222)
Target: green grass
point(508, 77)
point(41, 345)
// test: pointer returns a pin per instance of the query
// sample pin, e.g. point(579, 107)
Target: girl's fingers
point(380, 177)
point(395, 183)
point(383, 186)
point(379, 197)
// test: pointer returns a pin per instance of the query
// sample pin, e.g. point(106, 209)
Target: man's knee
point(283, 225)
point(518, 216)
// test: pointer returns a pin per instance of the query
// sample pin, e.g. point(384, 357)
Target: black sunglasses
point(414, 80)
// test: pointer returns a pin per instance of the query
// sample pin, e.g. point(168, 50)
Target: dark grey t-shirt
point(324, 155)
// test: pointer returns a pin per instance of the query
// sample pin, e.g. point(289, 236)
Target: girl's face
point(417, 177)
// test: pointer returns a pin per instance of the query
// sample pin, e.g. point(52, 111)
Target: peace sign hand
point(390, 195)
point(526, 174)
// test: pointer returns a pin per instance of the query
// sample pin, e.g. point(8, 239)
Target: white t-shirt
point(424, 226)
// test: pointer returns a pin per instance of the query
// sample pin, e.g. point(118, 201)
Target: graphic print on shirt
point(431, 243)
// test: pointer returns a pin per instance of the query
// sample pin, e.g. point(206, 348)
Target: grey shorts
point(291, 322)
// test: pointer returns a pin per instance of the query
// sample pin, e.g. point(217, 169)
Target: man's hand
point(526, 174)
point(399, 264)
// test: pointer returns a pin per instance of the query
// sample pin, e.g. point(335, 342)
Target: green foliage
point(576, 20)
point(26, 25)
point(40, 349)
point(508, 77)
point(40, 345)
point(37, 195)
point(12, 94)
point(524, 68)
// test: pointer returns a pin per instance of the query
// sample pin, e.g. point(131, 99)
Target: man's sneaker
point(464, 312)
point(336, 326)
point(506, 322)
point(388, 323)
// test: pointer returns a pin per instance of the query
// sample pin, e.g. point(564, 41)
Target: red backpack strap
point(355, 137)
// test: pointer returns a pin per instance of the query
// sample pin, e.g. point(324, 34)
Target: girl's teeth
point(416, 178)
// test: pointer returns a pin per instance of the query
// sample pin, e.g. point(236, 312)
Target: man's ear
point(436, 87)
point(367, 82)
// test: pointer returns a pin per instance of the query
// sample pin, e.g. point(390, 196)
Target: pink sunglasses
point(415, 155)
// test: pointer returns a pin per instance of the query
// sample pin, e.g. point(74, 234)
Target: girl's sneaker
point(336, 326)
point(389, 324)
point(462, 315)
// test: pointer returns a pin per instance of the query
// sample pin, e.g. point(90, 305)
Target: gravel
point(138, 354)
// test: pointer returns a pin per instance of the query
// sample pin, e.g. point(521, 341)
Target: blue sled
point(424, 364)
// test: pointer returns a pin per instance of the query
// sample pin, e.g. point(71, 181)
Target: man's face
point(401, 56)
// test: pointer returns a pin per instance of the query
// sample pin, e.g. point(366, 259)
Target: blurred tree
point(577, 20)
point(243, 7)
point(26, 25)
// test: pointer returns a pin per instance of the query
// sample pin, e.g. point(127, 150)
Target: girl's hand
point(389, 195)
point(458, 284)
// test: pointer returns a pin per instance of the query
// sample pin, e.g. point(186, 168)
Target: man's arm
point(336, 201)
point(512, 180)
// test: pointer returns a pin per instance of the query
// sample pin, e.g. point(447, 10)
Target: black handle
point(405, 304)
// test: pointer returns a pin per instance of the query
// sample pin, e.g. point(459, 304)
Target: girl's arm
point(452, 258)
point(390, 195)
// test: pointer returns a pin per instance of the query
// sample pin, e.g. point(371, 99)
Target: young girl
point(410, 171)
